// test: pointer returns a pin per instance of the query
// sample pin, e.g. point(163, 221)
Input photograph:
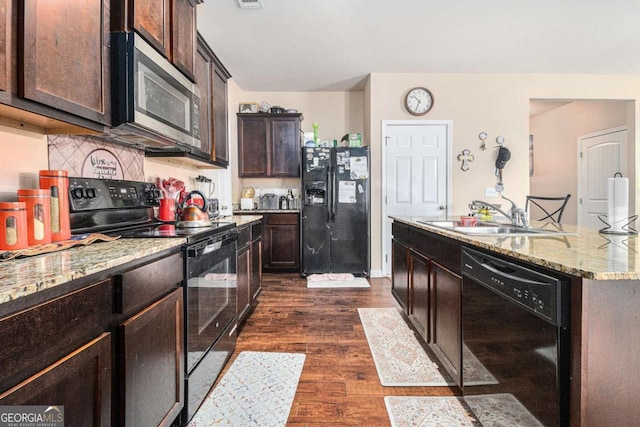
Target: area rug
point(401, 360)
point(416, 411)
point(490, 410)
point(257, 390)
point(333, 280)
point(501, 409)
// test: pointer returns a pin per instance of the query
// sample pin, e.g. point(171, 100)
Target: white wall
point(555, 136)
point(24, 154)
point(495, 103)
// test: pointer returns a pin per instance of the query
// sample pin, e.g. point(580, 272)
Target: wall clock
point(418, 101)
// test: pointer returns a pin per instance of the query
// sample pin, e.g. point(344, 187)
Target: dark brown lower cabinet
point(80, 381)
point(420, 295)
point(249, 268)
point(400, 275)
point(281, 243)
point(446, 295)
point(153, 363)
point(243, 276)
point(110, 352)
point(255, 273)
point(426, 268)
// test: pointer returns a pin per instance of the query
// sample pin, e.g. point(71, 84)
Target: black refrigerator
point(335, 211)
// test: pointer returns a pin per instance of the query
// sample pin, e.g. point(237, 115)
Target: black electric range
point(126, 208)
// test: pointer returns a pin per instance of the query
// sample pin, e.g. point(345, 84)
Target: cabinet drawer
point(137, 288)
point(290, 219)
point(445, 251)
point(400, 232)
point(35, 338)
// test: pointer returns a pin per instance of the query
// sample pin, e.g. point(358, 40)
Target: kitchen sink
point(493, 228)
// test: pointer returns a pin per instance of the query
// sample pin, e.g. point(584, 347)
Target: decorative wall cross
point(465, 157)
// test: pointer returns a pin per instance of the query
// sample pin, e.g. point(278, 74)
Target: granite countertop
point(25, 276)
point(241, 219)
point(586, 253)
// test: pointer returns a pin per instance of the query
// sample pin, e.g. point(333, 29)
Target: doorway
point(415, 170)
point(601, 155)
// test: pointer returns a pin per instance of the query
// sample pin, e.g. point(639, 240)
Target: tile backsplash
point(71, 153)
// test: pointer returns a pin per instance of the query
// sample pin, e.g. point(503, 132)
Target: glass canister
point(38, 215)
point(57, 181)
point(13, 226)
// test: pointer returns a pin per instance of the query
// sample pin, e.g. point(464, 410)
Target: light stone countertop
point(24, 276)
point(241, 219)
point(587, 253)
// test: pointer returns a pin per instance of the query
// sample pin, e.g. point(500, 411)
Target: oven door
point(210, 293)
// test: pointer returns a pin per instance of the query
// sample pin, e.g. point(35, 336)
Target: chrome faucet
point(517, 215)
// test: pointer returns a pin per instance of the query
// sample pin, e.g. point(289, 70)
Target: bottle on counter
point(290, 199)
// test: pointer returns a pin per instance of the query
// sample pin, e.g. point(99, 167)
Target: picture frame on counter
point(248, 107)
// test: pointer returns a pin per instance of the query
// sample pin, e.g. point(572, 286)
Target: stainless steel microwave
point(154, 104)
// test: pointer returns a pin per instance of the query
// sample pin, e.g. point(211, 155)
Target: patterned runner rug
point(257, 390)
point(490, 410)
point(415, 411)
point(356, 282)
point(400, 359)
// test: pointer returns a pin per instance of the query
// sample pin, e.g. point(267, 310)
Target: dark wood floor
point(339, 385)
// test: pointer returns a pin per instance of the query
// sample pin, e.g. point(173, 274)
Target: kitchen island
point(604, 280)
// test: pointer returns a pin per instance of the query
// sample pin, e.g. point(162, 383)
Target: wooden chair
point(551, 203)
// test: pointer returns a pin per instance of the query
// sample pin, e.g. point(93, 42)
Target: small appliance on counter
point(268, 201)
point(246, 201)
point(246, 204)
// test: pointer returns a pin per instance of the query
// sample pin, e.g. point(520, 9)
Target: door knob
point(442, 207)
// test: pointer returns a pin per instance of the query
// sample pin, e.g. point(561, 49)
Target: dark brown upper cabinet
point(152, 20)
point(211, 77)
point(67, 89)
point(269, 145)
point(168, 25)
point(65, 56)
point(183, 36)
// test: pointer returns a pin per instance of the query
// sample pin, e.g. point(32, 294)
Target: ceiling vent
point(250, 4)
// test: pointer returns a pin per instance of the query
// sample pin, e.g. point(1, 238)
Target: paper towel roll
point(617, 203)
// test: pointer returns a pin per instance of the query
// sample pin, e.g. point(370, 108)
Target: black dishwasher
point(515, 323)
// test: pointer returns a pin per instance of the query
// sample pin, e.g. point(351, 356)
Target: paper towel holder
point(622, 230)
point(626, 229)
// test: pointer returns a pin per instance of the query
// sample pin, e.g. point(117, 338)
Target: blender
point(206, 186)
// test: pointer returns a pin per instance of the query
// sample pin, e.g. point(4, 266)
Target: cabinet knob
point(442, 207)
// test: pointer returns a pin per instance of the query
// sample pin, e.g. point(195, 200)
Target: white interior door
point(602, 155)
point(415, 170)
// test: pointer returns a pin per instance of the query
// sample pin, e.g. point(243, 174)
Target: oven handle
point(211, 246)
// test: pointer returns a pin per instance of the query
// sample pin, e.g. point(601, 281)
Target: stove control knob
point(91, 193)
point(153, 194)
point(77, 193)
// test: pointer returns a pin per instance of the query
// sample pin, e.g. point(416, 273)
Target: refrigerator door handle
point(334, 189)
point(328, 194)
